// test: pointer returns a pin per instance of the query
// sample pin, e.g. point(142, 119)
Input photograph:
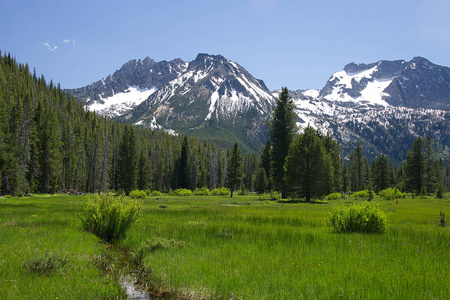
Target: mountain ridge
point(212, 95)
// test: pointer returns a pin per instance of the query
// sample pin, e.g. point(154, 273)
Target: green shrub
point(110, 217)
point(365, 218)
point(243, 191)
point(333, 196)
point(363, 194)
point(202, 191)
point(45, 264)
point(275, 196)
point(156, 193)
point(220, 192)
point(148, 192)
point(423, 193)
point(391, 194)
point(138, 194)
point(183, 192)
point(440, 191)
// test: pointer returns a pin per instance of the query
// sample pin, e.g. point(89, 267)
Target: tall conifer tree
point(282, 130)
point(235, 168)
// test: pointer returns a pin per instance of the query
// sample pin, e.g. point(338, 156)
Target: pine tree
point(357, 168)
point(430, 174)
point(309, 169)
point(144, 171)
point(127, 171)
point(49, 152)
point(415, 167)
point(381, 173)
point(183, 173)
point(235, 169)
point(261, 181)
point(264, 162)
point(282, 130)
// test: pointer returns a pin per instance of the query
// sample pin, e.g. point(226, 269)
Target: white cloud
point(68, 41)
point(53, 49)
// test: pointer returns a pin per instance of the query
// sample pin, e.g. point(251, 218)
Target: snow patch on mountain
point(120, 103)
point(372, 88)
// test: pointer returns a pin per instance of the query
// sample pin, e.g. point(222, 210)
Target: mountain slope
point(133, 83)
point(212, 95)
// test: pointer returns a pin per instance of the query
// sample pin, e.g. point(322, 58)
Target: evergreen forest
point(49, 143)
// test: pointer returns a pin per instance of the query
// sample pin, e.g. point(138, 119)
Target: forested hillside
point(50, 143)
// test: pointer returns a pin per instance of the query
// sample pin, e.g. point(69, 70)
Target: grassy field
point(239, 248)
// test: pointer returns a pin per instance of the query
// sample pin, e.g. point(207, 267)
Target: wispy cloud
point(70, 42)
point(53, 49)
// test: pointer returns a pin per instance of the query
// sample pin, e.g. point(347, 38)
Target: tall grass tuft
point(108, 217)
point(364, 218)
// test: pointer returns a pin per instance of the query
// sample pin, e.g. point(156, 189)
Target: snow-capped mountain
point(129, 86)
point(385, 105)
point(415, 84)
point(214, 98)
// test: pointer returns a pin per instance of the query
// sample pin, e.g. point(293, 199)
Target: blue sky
point(297, 44)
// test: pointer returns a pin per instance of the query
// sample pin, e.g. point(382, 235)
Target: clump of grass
point(46, 263)
point(155, 244)
point(442, 219)
point(224, 233)
point(110, 217)
point(364, 218)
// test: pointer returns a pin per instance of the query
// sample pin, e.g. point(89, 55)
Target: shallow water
point(127, 283)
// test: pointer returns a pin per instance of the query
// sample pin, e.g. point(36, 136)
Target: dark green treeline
point(49, 143)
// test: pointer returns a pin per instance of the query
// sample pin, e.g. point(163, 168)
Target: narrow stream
point(127, 283)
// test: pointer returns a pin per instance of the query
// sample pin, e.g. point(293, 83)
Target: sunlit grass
point(31, 227)
point(285, 251)
point(241, 248)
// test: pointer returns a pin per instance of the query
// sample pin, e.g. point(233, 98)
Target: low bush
point(391, 194)
point(220, 192)
point(110, 217)
point(46, 263)
point(333, 196)
point(423, 193)
point(364, 218)
point(243, 191)
point(275, 196)
point(202, 191)
point(138, 194)
point(183, 192)
point(363, 194)
point(156, 193)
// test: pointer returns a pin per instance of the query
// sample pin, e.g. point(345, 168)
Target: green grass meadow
point(234, 248)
